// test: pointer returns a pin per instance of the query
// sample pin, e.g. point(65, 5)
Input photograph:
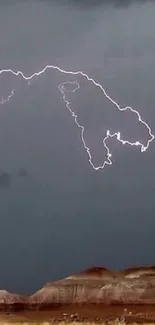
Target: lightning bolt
point(108, 161)
point(3, 101)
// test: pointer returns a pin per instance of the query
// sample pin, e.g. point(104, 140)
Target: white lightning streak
point(8, 98)
point(108, 134)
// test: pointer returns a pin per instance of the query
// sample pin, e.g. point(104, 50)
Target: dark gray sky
point(63, 216)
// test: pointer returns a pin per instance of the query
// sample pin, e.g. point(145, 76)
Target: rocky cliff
point(11, 301)
point(96, 285)
point(99, 286)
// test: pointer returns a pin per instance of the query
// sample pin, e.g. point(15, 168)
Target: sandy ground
point(83, 314)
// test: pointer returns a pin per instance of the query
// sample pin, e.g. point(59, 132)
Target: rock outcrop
point(134, 286)
point(12, 301)
point(99, 286)
point(139, 271)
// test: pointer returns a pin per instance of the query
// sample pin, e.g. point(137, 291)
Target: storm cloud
point(66, 217)
point(95, 3)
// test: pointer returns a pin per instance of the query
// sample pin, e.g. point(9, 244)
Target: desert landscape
point(96, 295)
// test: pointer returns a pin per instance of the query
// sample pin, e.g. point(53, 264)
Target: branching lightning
point(108, 160)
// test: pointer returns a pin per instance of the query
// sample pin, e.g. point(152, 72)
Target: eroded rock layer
point(99, 286)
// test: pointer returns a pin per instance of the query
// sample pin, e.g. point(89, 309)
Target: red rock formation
point(91, 274)
point(99, 286)
point(93, 286)
point(96, 272)
point(12, 301)
point(140, 271)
